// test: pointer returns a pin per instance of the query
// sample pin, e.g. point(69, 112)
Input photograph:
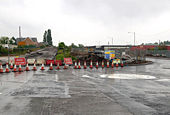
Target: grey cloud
point(107, 10)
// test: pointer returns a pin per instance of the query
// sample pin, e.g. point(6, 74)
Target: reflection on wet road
point(139, 90)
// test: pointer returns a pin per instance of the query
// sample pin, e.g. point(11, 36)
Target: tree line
point(7, 40)
point(64, 51)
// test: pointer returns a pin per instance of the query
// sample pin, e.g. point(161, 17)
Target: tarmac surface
point(132, 90)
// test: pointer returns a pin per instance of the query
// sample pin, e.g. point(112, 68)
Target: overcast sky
point(88, 22)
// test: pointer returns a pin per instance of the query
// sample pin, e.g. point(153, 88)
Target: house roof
point(22, 39)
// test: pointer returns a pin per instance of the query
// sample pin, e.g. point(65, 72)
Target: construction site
point(91, 84)
point(93, 53)
point(84, 57)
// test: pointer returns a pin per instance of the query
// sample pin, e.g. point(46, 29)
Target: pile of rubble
point(46, 53)
point(92, 57)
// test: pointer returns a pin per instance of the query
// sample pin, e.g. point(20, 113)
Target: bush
point(73, 58)
point(60, 51)
point(60, 57)
point(43, 46)
point(67, 54)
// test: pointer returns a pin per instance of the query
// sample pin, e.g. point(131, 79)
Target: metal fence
point(137, 54)
point(164, 53)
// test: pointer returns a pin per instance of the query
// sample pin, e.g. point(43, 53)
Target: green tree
point(73, 45)
point(81, 46)
point(4, 40)
point(45, 36)
point(49, 38)
point(61, 45)
point(14, 41)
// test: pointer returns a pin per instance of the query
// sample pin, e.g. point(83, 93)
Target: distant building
point(26, 41)
point(143, 47)
point(167, 43)
point(108, 47)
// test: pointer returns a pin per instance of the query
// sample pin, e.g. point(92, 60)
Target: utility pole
point(8, 52)
point(134, 36)
point(19, 31)
point(112, 40)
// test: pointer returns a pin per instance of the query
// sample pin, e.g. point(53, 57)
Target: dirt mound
point(92, 57)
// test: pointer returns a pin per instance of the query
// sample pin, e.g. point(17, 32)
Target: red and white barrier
point(102, 64)
point(91, 64)
point(107, 64)
point(15, 68)
point(1, 68)
point(42, 67)
point(20, 69)
point(51, 66)
point(11, 66)
point(79, 66)
point(27, 67)
point(58, 66)
point(112, 64)
point(85, 66)
point(34, 67)
point(117, 64)
point(7, 69)
point(75, 66)
point(97, 65)
point(65, 66)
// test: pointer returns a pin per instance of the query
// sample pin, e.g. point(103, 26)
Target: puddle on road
point(86, 76)
point(127, 76)
point(165, 66)
point(56, 78)
point(164, 80)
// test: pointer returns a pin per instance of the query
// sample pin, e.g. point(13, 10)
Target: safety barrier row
point(76, 66)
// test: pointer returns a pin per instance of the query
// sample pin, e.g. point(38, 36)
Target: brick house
point(27, 41)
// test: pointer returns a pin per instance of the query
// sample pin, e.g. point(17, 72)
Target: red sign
point(68, 61)
point(58, 61)
point(48, 62)
point(20, 61)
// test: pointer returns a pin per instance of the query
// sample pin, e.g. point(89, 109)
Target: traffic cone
point(34, 67)
point(107, 64)
point(85, 66)
point(11, 67)
point(102, 64)
point(1, 68)
point(27, 68)
point(122, 64)
point(97, 65)
point(112, 64)
point(65, 66)
point(15, 68)
point(79, 66)
point(42, 67)
point(75, 66)
point(58, 66)
point(20, 69)
point(51, 67)
point(117, 65)
point(7, 69)
point(91, 65)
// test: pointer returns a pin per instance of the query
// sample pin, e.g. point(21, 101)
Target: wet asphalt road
point(138, 90)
